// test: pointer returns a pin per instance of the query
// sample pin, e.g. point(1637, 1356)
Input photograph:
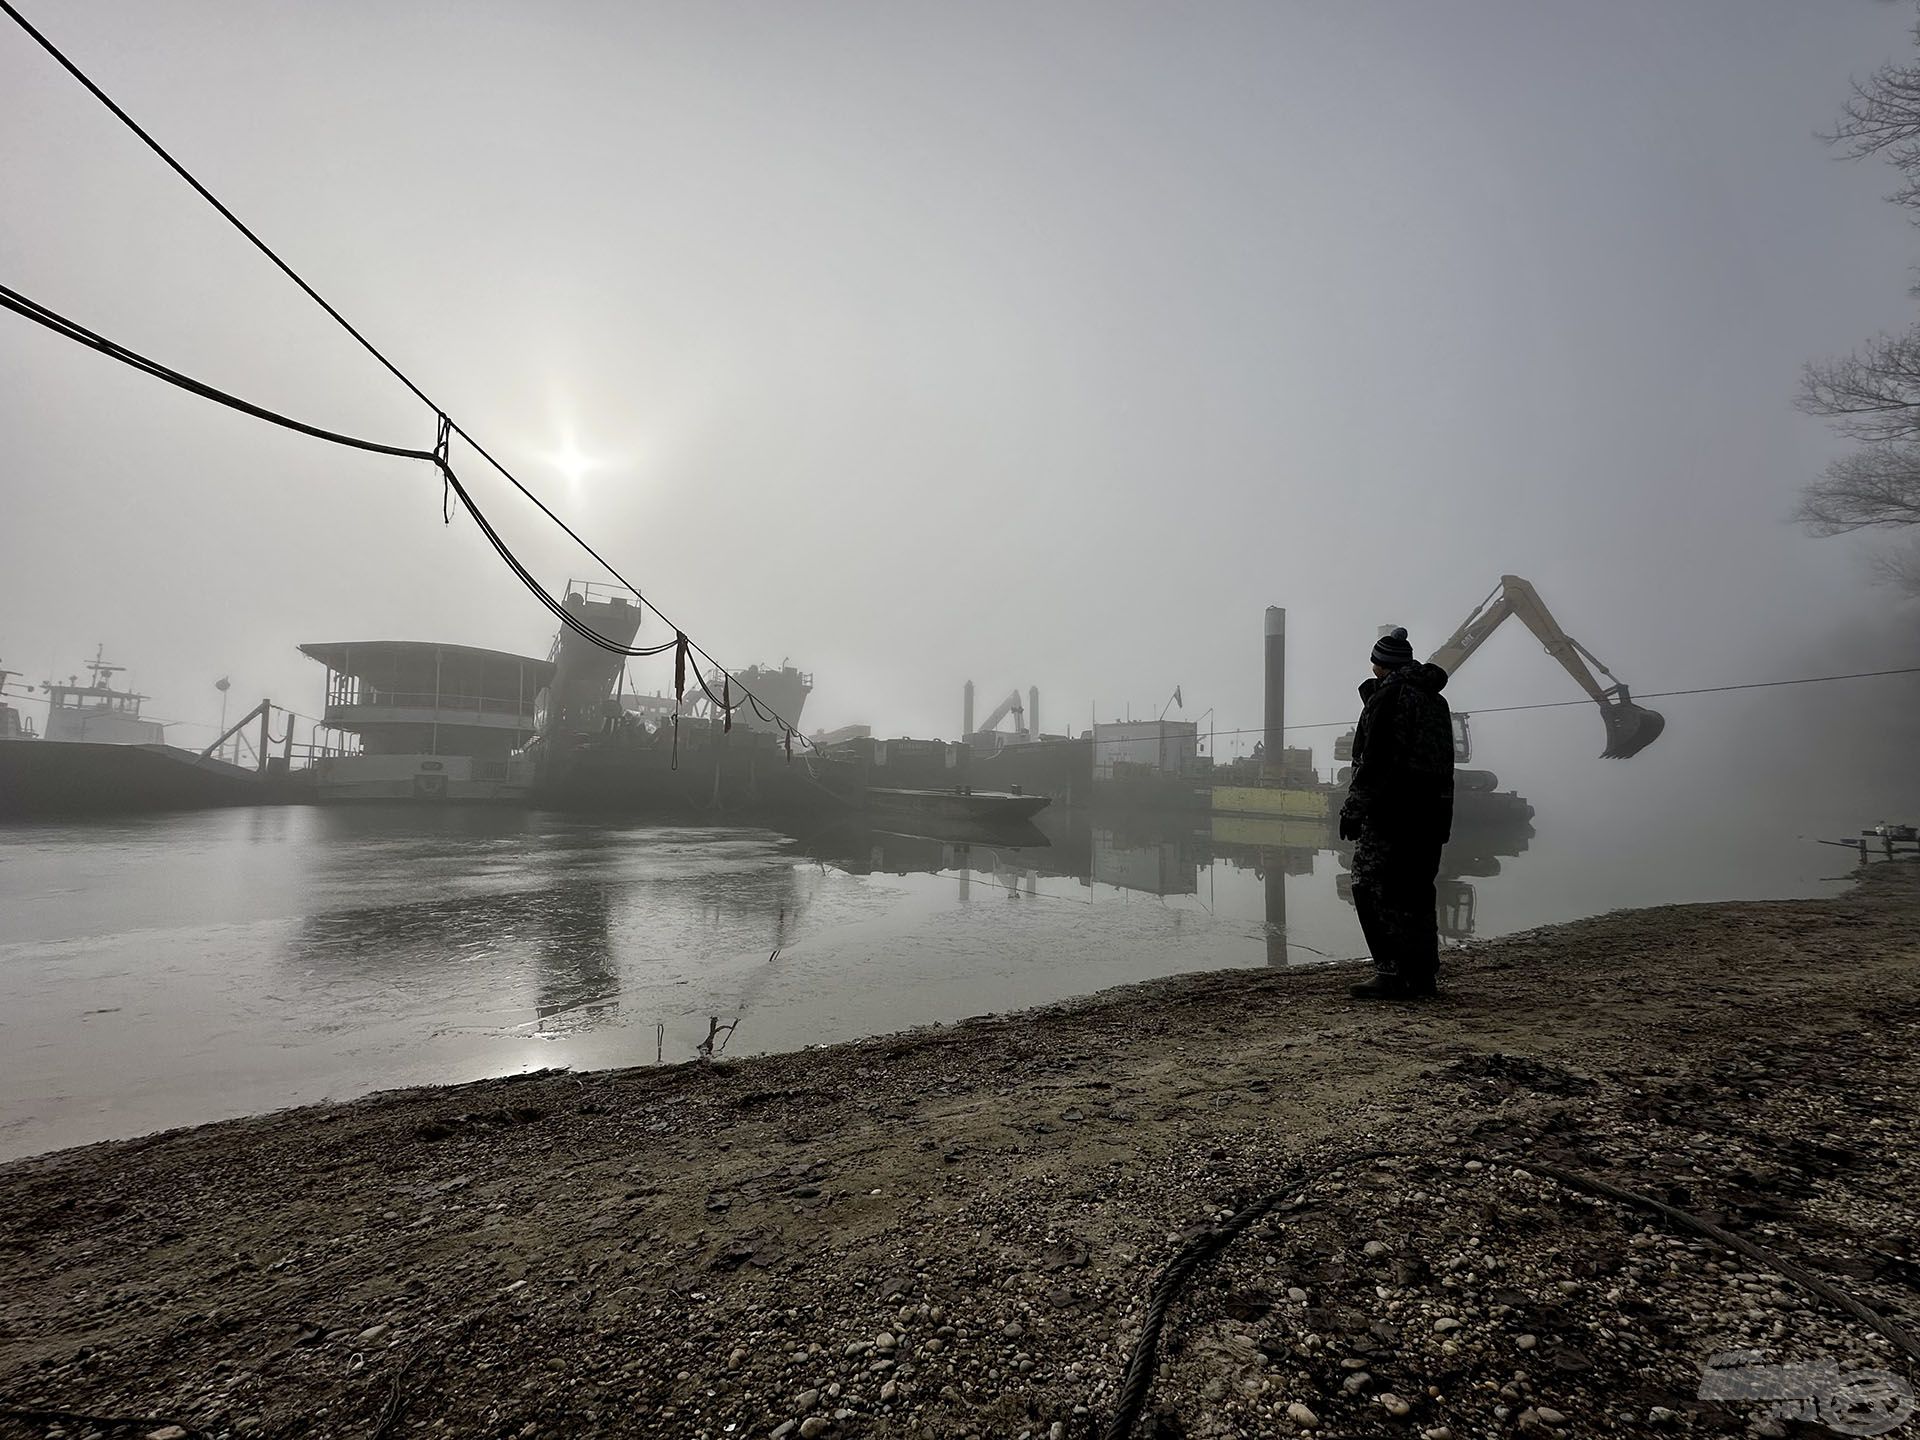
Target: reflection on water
point(180, 968)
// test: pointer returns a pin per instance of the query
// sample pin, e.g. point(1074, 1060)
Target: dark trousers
point(1393, 872)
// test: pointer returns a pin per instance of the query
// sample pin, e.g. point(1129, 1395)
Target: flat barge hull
point(50, 779)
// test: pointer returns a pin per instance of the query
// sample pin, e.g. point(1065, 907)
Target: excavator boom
point(1631, 728)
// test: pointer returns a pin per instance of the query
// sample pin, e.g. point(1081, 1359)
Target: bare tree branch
point(1873, 395)
point(1876, 486)
point(1899, 568)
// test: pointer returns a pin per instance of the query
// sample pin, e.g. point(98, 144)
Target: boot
point(1382, 987)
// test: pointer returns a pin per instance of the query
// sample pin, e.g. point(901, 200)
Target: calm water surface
point(177, 969)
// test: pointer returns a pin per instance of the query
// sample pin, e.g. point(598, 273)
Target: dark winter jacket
point(1403, 751)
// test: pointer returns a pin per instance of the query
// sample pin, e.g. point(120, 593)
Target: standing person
point(1399, 812)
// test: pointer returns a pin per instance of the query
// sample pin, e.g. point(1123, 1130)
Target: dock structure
point(1871, 843)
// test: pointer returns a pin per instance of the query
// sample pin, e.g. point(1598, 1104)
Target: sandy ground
point(952, 1232)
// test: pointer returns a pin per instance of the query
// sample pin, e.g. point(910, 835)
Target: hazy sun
point(573, 463)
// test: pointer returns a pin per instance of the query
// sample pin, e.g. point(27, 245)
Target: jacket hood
point(1428, 677)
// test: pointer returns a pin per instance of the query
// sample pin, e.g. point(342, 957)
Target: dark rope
point(1175, 1274)
point(1173, 1278)
point(33, 310)
point(1806, 1279)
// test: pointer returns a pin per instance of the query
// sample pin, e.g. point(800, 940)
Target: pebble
point(1438, 1432)
point(814, 1425)
point(1057, 1430)
point(885, 1341)
point(167, 1432)
point(806, 1400)
point(1442, 1326)
point(1301, 1415)
point(371, 1334)
point(890, 1389)
point(737, 1358)
point(782, 1430)
point(1395, 1406)
point(1527, 1342)
point(1297, 1295)
point(1356, 1382)
point(1552, 1417)
point(1374, 1249)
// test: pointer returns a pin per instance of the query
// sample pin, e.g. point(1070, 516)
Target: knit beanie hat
point(1392, 651)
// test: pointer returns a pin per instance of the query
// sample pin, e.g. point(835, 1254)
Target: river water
point(176, 969)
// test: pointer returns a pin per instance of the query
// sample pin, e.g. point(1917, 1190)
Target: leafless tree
point(1883, 118)
point(1875, 485)
point(1873, 395)
point(1898, 567)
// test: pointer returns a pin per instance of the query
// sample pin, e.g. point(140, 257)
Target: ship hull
point(45, 779)
point(747, 777)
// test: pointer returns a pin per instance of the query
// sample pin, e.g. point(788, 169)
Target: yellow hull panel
point(1274, 803)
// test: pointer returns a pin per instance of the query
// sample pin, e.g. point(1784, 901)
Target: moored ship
point(99, 755)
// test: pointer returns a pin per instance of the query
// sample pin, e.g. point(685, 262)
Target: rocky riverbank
point(953, 1232)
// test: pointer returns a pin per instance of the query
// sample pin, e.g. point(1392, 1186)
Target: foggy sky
point(918, 343)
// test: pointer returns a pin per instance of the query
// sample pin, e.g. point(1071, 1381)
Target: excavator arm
point(1630, 727)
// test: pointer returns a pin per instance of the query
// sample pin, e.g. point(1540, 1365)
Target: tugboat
point(97, 712)
point(99, 755)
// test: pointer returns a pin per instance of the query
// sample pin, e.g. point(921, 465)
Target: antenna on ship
point(102, 671)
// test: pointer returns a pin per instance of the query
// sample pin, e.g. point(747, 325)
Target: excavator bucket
point(1630, 728)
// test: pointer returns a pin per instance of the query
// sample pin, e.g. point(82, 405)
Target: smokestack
point(1033, 711)
point(966, 723)
point(1276, 691)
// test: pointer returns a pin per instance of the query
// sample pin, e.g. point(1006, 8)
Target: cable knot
point(442, 445)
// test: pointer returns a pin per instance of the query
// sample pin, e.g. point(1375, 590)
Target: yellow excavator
point(1631, 728)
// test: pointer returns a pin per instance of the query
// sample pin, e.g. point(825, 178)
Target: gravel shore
point(953, 1232)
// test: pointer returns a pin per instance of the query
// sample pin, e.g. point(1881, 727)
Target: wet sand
point(952, 1232)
